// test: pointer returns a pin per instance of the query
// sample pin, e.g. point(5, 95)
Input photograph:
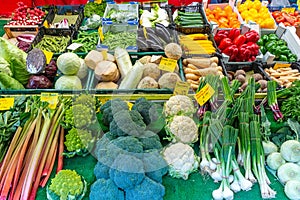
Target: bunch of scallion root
point(33, 150)
point(231, 139)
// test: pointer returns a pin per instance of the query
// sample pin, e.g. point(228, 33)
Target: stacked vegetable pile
point(225, 18)
point(288, 19)
point(51, 43)
point(33, 149)
point(129, 162)
point(256, 12)
point(154, 16)
point(181, 131)
point(278, 47)
point(188, 19)
point(117, 72)
point(88, 40)
point(93, 12)
point(122, 39)
point(197, 43)
point(234, 132)
point(195, 68)
point(25, 16)
point(239, 47)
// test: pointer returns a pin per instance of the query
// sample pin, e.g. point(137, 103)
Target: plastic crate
point(68, 11)
point(42, 32)
point(199, 8)
point(134, 57)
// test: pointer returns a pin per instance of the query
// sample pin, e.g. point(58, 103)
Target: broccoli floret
point(126, 145)
point(79, 142)
point(105, 189)
point(150, 140)
point(110, 108)
point(68, 121)
point(101, 171)
point(67, 184)
point(85, 99)
point(83, 115)
point(147, 109)
point(127, 122)
point(127, 171)
point(147, 190)
point(155, 165)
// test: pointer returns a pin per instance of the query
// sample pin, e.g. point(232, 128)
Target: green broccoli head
point(85, 99)
point(155, 165)
point(68, 121)
point(79, 142)
point(110, 108)
point(67, 184)
point(147, 109)
point(105, 189)
point(83, 115)
point(126, 122)
point(147, 190)
point(150, 140)
point(107, 152)
point(127, 171)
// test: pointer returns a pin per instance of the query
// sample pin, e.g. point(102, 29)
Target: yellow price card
point(48, 55)
point(6, 103)
point(281, 65)
point(104, 54)
point(288, 10)
point(103, 100)
point(101, 35)
point(51, 98)
point(204, 94)
point(181, 88)
point(129, 105)
point(167, 64)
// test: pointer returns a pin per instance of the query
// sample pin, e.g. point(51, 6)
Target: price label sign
point(204, 94)
point(181, 88)
point(129, 105)
point(51, 98)
point(103, 100)
point(288, 10)
point(48, 55)
point(74, 46)
point(100, 31)
point(6, 103)
point(104, 54)
point(281, 65)
point(167, 64)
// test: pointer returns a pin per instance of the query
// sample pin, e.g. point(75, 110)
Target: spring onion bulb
point(269, 147)
point(292, 189)
point(290, 150)
point(288, 171)
point(275, 160)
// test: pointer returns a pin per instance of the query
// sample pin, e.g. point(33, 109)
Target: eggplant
point(154, 45)
point(154, 38)
point(150, 30)
point(163, 33)
point(142, 44)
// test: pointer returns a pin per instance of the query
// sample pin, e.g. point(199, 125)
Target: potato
point(152, 71)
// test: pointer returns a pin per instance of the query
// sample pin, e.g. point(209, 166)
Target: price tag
point(98, 1)
point(181, 88)
point(46, 24)
point(204, 94)
point(51, 98)
point(281, 65)
point(100, 31)
point(129, 105)
point(167, 64)
point(6, 103)
point(288, 10)
point(103, 100)
point(104, 54)
point(48, 55)
point(74, 46)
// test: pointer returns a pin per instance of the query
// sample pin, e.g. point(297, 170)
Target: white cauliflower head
point(183, 129)
point(179, 105)
point(181, 159)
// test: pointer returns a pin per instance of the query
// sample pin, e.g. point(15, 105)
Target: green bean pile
point(55, 44)
point(88, 39)
point(122, 39)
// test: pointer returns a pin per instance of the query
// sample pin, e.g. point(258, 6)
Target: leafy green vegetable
point(9, 83)
point(16, 59)
point(4, 67)
point(94, 8)
point(122, 39)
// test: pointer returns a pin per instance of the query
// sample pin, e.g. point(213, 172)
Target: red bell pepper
point(239, 40)
point(244, 52)
point(233, 33)
point(231, 51)
point(253, 47)
point(225, 42)
point(252, 36)
point(220, 35)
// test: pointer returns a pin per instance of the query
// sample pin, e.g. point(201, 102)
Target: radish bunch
point(23, 15)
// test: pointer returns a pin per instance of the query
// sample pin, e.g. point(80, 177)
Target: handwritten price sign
point(167, 64)
point(204, 94)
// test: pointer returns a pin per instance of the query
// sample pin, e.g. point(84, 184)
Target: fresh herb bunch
point(94, 8)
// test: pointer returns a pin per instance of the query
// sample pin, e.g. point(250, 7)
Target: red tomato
point(280, 19)
point(297, 24)
point(286, 24)
point(276, 14)
point(296, 13)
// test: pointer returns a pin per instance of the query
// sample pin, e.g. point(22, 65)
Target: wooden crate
point(15, 31)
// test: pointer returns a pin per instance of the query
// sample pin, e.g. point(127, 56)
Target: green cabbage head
point(68, 63)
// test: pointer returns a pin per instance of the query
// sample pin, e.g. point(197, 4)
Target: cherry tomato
point(286, 24)
point(276, 14)
point(280, 19)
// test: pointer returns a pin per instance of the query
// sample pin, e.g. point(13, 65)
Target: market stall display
point(222, 107)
